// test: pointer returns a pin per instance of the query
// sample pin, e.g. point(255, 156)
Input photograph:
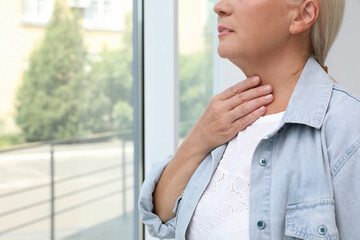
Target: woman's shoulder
point(344, 104)
point(345, 93)
point(343, 112)
point(341, 126)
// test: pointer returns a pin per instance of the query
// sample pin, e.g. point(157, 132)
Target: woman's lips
point(223, 33)
point(224, 30)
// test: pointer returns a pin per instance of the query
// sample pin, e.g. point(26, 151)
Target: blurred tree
point(46, 101)
point(108, 84)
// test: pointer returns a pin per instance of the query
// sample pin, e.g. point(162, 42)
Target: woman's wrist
point(193, 149)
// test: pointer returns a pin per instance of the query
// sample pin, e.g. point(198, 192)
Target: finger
point(248, 107)
point(239, 87)
point(249, 119)
point(247, 96)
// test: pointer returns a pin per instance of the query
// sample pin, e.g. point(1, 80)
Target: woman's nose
point(222, 8)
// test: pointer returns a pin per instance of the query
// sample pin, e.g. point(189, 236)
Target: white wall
point(344, 58)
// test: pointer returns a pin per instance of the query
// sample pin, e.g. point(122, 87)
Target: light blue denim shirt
point(309, 187)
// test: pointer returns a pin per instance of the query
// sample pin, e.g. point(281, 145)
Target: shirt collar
point(310, 98)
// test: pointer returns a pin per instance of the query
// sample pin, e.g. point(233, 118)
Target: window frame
point(138, 105)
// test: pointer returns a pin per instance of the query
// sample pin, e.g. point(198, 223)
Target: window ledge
point(34, 21)
point(102, 27)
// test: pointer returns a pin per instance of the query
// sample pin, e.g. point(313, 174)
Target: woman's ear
point(305, 14)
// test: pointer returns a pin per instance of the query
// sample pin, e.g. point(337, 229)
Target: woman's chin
point(227, 52)
point(224, 53)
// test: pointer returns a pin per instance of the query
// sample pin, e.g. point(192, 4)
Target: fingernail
point(268, 97)
point(255, 79)
point(267, 88)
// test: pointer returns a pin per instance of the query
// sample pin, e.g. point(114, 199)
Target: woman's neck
point(281, 71)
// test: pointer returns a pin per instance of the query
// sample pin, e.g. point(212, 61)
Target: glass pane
point(107, 10)
point(24, 192)
point(42, 7)
point(92, 11)
point(66, 118)
point(29, 7)
point(94, 188)
point(195, 61)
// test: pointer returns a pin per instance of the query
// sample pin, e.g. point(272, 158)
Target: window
point(66, 122)
point(104, 14)
point(37, 11)
point(92, 11)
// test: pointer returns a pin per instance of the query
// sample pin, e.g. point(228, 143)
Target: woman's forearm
point(176, 176)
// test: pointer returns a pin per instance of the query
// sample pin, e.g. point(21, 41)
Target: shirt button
point(263, 162)
point(261, 224)
point(322, 230)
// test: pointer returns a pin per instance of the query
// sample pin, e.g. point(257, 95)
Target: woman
point(281, 162)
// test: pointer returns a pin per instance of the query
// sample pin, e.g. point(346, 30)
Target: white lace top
point(229, 187)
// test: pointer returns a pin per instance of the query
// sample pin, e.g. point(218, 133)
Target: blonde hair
point(326, 27)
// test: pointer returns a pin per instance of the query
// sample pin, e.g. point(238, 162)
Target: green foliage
point(7, 140)
point(46, 101)
point(123, 115)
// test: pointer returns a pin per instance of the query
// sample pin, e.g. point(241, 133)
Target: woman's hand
point(230, 112)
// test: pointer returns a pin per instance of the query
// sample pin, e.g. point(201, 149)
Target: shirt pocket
point(313, 220)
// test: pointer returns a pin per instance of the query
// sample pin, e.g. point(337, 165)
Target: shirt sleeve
point(347, 194)
point(156, 227)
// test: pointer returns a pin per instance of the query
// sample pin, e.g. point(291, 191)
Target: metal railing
point(125, 136)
